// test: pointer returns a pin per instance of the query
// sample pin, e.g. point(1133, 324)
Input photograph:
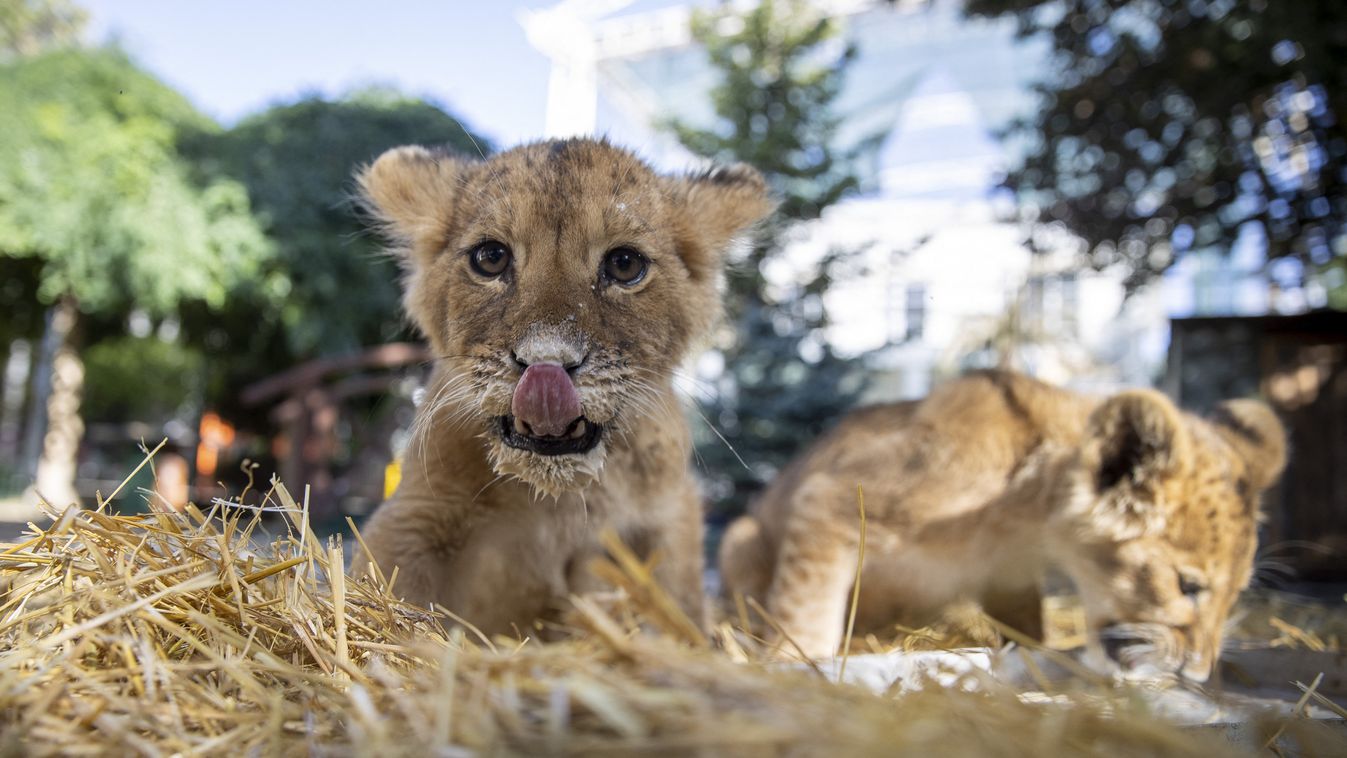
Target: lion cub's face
point(564, 280)
point(1162, 527)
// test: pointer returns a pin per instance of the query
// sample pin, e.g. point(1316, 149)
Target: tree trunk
point(55, 477)
point(13, 393)
point(35, 426)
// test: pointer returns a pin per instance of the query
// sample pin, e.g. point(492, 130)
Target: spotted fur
point(973, 492)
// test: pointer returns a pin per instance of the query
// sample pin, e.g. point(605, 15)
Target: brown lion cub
point(972, 492)
point(559, 285)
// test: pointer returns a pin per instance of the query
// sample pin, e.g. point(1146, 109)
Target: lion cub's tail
point(746, 560)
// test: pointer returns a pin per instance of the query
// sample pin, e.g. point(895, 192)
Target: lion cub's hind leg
point(815, 571)
point(745, 560)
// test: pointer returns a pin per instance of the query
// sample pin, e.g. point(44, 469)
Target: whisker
point(471, 139)
point(1277, 547)
point(716, 431)
point(485, 486)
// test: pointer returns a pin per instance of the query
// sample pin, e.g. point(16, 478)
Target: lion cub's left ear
point(411, 190)
point(714, 207)
point(1134, 441)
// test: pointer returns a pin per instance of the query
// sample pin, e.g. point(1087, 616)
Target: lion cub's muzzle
point(582, 436)
point(1143, 650)
point(545, 414)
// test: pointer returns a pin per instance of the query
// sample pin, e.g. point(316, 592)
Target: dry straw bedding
point(175, 633)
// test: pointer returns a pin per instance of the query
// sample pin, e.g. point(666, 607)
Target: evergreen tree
point(781, 68)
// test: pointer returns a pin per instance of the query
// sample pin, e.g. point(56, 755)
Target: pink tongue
point(546, 400)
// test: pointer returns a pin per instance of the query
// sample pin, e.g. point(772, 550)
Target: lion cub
point(973, 491)
point(559, 285)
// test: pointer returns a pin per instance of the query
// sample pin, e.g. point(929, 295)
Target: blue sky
point(235, 58)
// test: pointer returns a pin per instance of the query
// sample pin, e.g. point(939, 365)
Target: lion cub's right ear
point(1254, 431)
point(410, 190)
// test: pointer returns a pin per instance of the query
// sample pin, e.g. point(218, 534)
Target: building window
point(914, 314)
point(1070, 305)
point(1034, 307)
point(893, 309)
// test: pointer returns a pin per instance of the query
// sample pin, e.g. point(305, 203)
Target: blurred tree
point(781, 66)
point(29, 27)
point(145, 379)
point(93, 189)
point(297, 160)
point(1176, 125)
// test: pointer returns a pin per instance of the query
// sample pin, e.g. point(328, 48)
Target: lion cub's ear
point(715, 206)
point(1134, 441)
point(1134, 438)
point(411, 191)
point(1255, 432)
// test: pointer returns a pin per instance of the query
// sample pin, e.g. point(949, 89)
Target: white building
point(943, 280)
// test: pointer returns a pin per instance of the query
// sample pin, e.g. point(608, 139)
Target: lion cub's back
point(974, 428)
point(969, 434)
point(849, 444)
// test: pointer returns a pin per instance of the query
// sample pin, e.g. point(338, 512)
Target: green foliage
point(1169, 125)
point(297, 161)
point(140, 379)
point(28, 27)
point(92, 186)
point(781, 66)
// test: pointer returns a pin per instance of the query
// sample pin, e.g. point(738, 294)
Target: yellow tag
point(392, 475)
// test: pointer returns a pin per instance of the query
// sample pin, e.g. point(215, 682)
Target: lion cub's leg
point(815, 570)
point(681, 563)
point(673, 543)
point(455, 557)
point(745, 559)
point(400, 536)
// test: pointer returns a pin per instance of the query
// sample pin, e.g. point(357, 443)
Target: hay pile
point(172, 633)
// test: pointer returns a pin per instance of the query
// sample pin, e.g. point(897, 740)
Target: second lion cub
point(973, 491)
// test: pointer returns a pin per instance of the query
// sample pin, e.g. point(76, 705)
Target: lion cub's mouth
point(546, 416)
point(580, 437)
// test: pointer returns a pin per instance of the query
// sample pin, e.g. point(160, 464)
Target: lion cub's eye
point(1190, 586)
point(490, 259)
point(624, 266)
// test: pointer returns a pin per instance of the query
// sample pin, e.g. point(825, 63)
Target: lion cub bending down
point(559, 285)
point(971, 492)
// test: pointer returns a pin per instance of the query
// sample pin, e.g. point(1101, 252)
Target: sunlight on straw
point(855, 588)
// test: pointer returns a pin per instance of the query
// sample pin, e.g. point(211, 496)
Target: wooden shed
point(1298, 364)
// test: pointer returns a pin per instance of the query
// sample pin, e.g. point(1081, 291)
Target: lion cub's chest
point(549, 542)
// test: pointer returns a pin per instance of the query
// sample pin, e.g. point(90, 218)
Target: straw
point(180, 633)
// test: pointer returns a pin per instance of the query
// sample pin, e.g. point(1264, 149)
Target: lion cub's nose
point(546, 400)
point(550, 345)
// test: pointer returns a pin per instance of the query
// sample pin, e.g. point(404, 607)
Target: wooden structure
point(1299, 365)
point(308, 402)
